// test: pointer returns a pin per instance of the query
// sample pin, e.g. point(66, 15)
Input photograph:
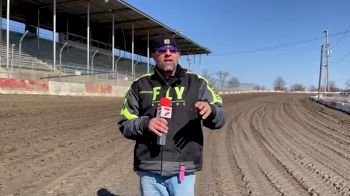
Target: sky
point(238, 32)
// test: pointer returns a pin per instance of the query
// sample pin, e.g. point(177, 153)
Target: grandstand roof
point(101, 16)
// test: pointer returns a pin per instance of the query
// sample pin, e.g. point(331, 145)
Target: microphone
point(164, 111)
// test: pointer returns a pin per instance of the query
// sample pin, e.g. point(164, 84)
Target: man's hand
point(158, 126)
point(203, 108)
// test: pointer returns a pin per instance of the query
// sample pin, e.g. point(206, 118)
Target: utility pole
point(320, 74)
point(327, 60)
point(325, 51)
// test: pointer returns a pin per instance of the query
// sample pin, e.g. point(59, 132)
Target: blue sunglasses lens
point(171, 48)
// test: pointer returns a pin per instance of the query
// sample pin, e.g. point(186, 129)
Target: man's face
point(167, 57)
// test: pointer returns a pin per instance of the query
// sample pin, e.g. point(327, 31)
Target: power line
point(343, 57)
point(346, 54)
point(273, 47)
point(345, 33)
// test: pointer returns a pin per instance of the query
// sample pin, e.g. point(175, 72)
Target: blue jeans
point(153, 184)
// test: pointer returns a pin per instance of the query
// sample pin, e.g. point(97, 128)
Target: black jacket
point(184, 140)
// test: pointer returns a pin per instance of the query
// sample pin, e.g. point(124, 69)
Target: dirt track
point(271, 145)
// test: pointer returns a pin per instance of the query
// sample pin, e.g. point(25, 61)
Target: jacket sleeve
point(207, 93)
point(131, 124)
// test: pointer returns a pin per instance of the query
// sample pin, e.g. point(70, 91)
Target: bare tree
point(222, 77)
point(297, 87)
point(233, 82)
point(333, 87)
point(206, 74)
point(313, 88)
point(347, 85)
point(257, 87)
point(279, 84)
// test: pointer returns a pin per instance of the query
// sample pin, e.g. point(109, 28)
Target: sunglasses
point(171, 48)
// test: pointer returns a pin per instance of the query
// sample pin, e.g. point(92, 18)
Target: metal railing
point(65, 37)
point(34, 60)
point(344, 98)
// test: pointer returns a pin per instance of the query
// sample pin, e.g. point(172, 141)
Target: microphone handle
point(161, 139)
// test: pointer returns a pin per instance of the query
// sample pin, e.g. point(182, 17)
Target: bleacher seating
point(40, 57)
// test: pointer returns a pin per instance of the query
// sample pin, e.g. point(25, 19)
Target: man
point(169, 169)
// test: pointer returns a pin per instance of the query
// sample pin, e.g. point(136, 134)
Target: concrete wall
point(19, 86)
point(65, 88)
point(345, 107)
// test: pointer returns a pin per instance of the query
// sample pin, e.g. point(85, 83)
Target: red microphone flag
point(164, 110)
point(165, 102)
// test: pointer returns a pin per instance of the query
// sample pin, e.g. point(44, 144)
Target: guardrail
point(337, 98)
point(342, 106)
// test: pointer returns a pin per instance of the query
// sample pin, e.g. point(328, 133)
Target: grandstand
point(37, 59)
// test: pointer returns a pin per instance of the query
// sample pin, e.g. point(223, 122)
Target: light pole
point(320, 74)
point(64, 45)
point(7, 33)
point(327, 60)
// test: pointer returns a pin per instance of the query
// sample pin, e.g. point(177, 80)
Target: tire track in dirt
point(208, 181)
point(309, 156)
point(329, 163)
point(284, 150)
point(274, 172)
point(252, 156)
point(279, 154)
point(80, 176)
point(52, 153)
point(272, 144)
